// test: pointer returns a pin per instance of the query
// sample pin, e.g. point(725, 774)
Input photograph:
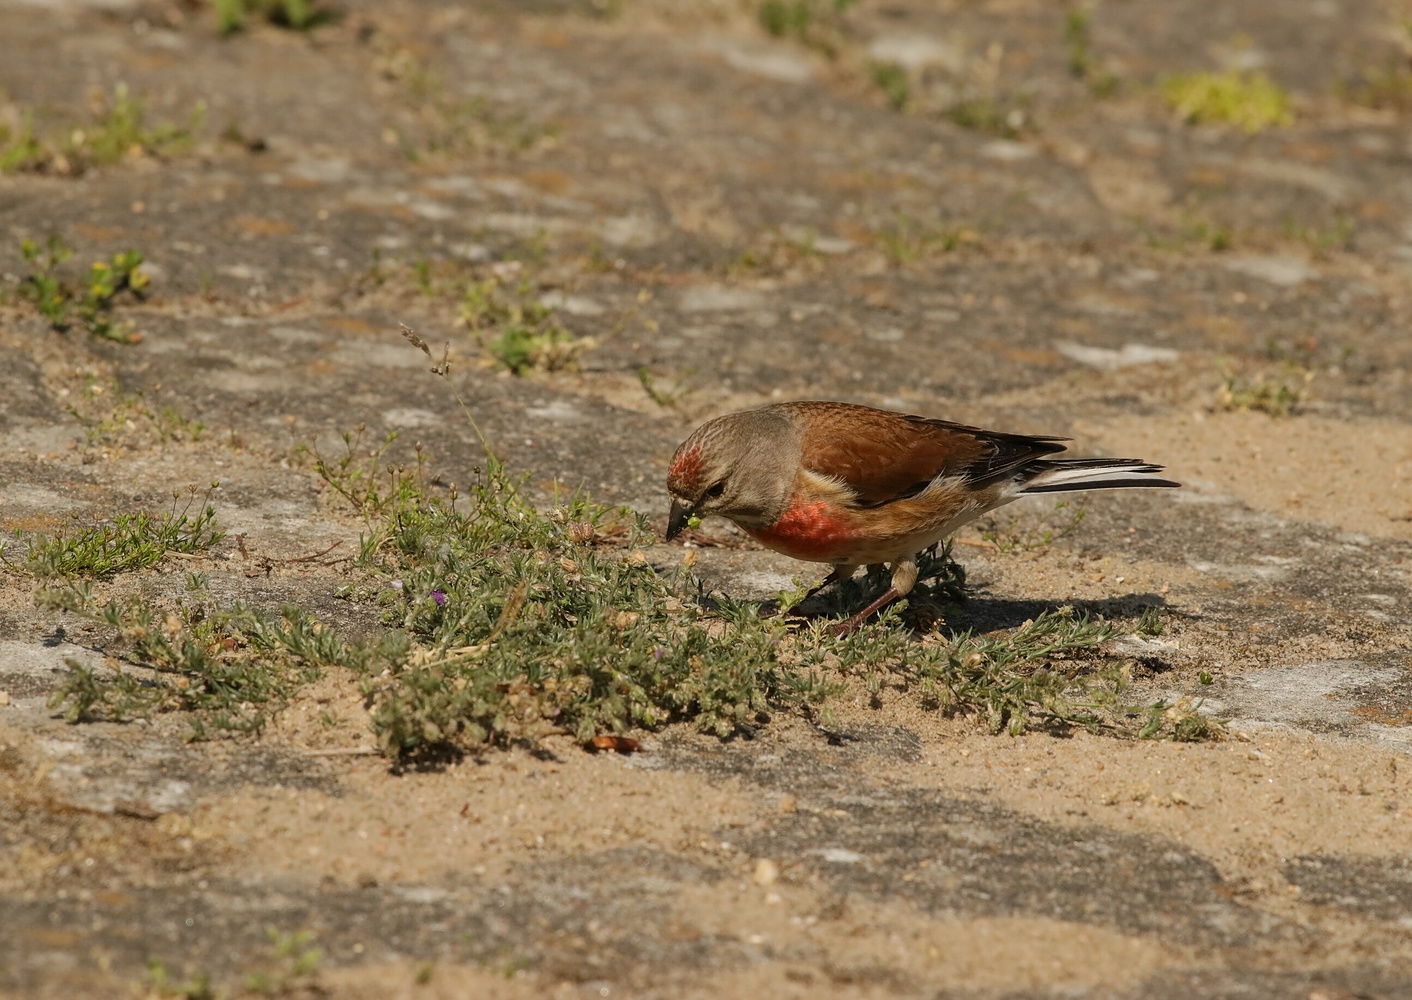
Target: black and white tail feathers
point(1069, 475)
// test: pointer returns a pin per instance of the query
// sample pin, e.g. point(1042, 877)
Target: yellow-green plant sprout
point(1251, 100)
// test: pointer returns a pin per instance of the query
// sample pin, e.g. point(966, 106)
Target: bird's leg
point(904, 578)
point(850, 625)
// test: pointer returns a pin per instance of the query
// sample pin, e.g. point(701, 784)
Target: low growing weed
point(56, 300)
point(297, 15)
point(228, 670)
point(908, 241)
point(439, 122)
point(1277, 395)
point(1083, 63)
point(504, 309)
point(118, 130)
point(1250, 100)
point(818, 24)
point(128, 542)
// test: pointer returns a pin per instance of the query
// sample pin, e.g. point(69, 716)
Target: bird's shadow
point(940, 607)
point(993, 614)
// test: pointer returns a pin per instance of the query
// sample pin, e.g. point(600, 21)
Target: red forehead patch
point(686, 467)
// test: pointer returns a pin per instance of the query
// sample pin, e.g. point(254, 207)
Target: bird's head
point(741, 466)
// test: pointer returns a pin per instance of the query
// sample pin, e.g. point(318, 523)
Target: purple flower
point(439, 596)
point(657, 653)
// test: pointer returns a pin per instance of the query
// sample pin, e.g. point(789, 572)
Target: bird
point(851, 485)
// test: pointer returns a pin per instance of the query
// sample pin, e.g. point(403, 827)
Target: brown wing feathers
point(896, 456)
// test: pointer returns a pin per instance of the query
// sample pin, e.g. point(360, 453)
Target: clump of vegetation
point(1083, 65)
point(118, 131)
point(228, 670)
point(128, 542)
point(1076, 34)
point(295, 968)
point(20, 149)
point(1250, 100)
point(107, 279)
point(908, 241)
point(438, 123)
point(1276, 395)
point(665, 395)
point(1385, 89)
point(893, 81)
point(1182, 721)
point(113, 418)
point(1029, 676)
point(990, 114)
point(505, 310)
point(50, 296)
point(1337, 235)
point(297, 15)
point(816, 23)
point(162, 983)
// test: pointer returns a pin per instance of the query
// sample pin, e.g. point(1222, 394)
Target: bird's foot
point(924, 618)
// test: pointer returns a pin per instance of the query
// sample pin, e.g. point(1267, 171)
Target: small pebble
point(767, 873)
point(4, 698)
point(788, 803)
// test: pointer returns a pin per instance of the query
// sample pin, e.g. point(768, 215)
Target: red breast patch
point(809, 530)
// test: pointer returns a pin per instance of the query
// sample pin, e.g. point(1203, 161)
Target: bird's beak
point(677, 519)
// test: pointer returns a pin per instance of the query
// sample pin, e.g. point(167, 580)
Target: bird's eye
point(716, 490)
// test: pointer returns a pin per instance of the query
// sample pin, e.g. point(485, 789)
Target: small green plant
point(297, 15)
point(666, 397)
point(161, 983)
point(1083, 65)
point(1193, 231)
point(908, 241)
point(892, 80)
point(446, 124)
point(1276, 395)
point(527, 336)
point(522, 349)
point(1337, 235)
point(1181, 721)
point(817, 23)
point(118, 131)
point(1249, 100)
point(127, 542)
point(107, 280)
point(50, 295)
point(421, 270)
point(295, 969)
point(229, 670)
point(1388, 88)
point(786, 17)
point(20, 149)
point(1076, 34)
point(1213, 235)
point(991, 115)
